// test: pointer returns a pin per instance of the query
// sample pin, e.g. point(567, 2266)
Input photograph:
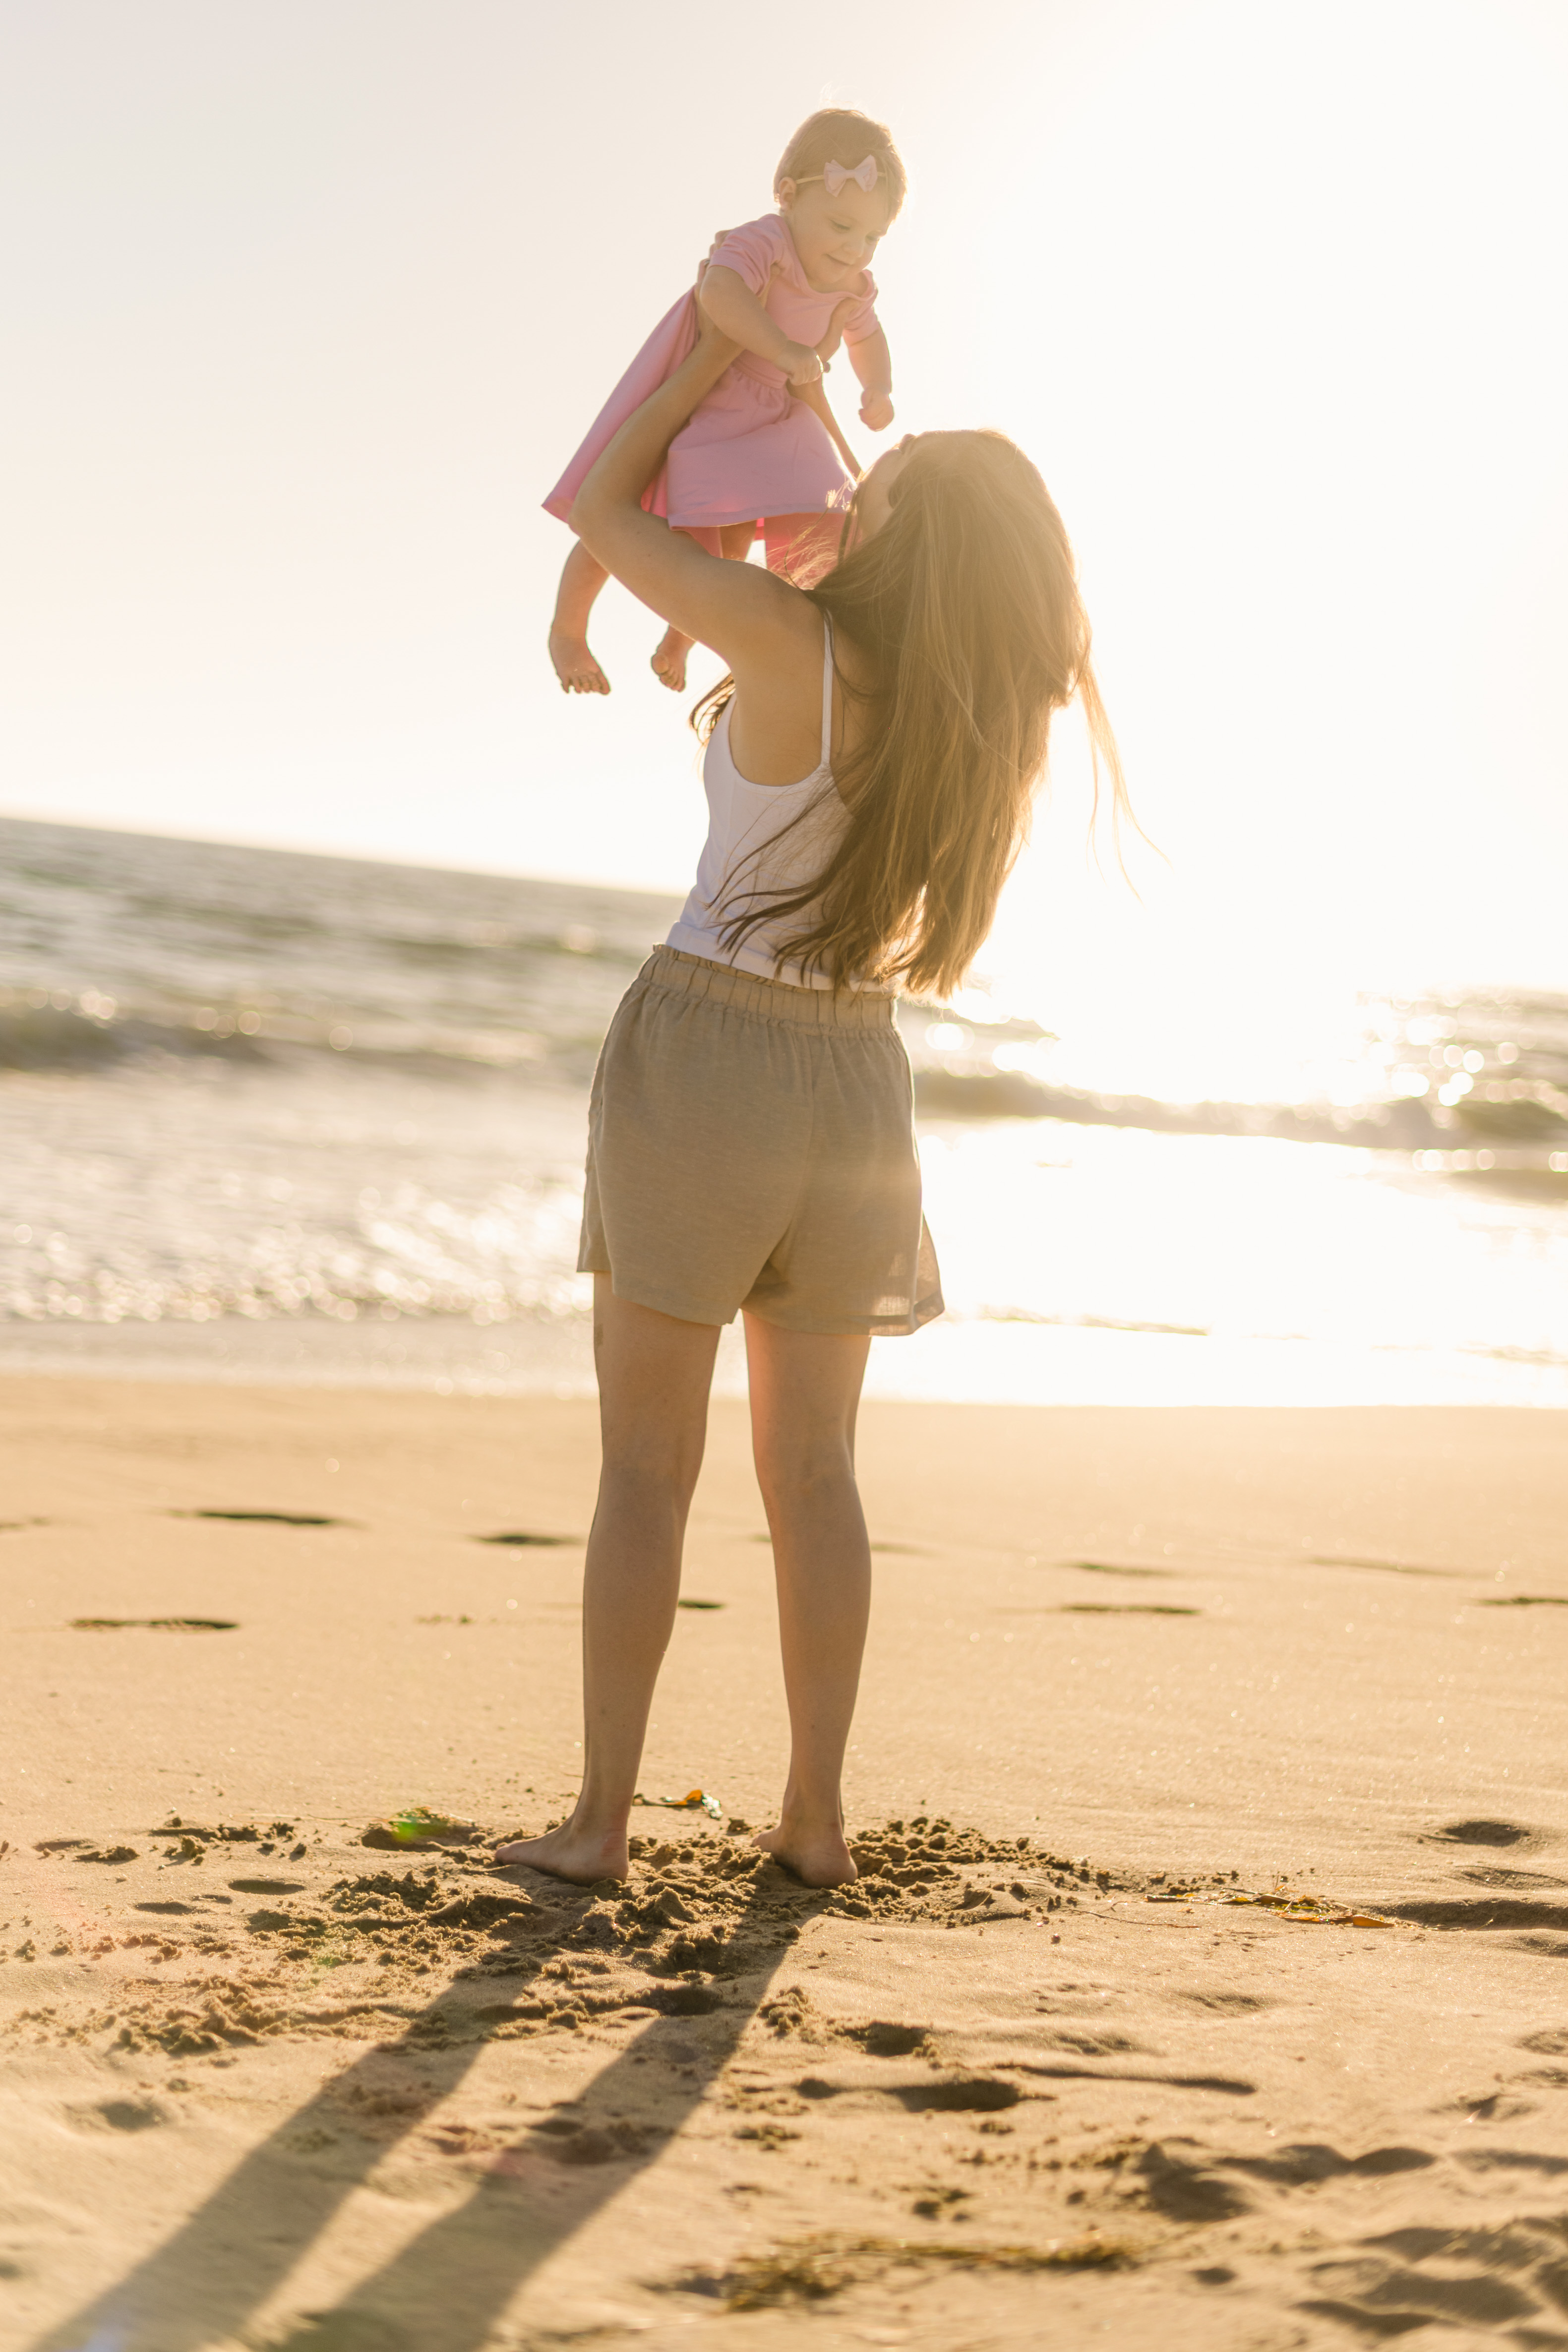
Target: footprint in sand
point(1508, 2274)
point(1195, 2188)
point(1482, 1911)
point(951, 2095)
point(267, 1519)
point(1492, 1877)
point(120, 2114)
point(524, 1536)
point(1123, 1609)
point(1304, 2162)
point(1483, 1832)
point(1184, 2192)
point(1388, 1567)
point(882, 2038)
point(1228, 2004)
point(154, 1625)
point(1110, 1568)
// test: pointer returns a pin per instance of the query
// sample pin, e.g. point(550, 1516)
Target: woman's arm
point(815, 398)
point(743, 612)
point(873, 363)
point(736, 311)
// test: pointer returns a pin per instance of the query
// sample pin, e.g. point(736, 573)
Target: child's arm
point(873, 363)
point(736, 311)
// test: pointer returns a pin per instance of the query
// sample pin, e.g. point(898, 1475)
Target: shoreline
point(998, 1361)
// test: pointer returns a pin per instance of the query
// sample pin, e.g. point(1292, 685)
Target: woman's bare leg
point(581, 578)
point(668, 662)
point(653, 1377)
point(804, 1392)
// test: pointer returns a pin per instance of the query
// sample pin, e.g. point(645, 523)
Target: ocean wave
point(115, 948)
point(55, 1037)
point(1487, 1069)
point(1396, 1125)
point(49, 1031)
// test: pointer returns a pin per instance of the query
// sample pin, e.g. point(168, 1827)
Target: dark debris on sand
point(812, 2269)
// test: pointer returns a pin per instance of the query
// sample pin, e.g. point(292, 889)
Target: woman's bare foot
point(820, 1856)
point(571, 1852)
point(574, 666)
point(668, 662)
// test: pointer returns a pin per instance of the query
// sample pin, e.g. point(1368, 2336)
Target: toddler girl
point(762, 449)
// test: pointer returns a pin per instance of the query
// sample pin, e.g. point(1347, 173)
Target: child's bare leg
point(805, 546)
point(805, 1392)
point(653, 1378)
point(668, 664)
point(581, 577)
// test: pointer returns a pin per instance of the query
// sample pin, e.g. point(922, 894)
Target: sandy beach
point(267, 2085)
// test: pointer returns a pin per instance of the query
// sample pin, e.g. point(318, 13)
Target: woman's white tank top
point(743, 856)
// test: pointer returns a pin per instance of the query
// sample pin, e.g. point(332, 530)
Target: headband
point(836, 177)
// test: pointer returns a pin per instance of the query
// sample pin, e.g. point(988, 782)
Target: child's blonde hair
point(841, 134)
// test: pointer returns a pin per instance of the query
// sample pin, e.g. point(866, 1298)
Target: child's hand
point(800, 364)
point(875, 410)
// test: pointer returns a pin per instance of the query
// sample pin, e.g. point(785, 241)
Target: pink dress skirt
point(748, 449)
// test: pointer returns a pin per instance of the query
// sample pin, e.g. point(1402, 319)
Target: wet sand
point(267, 2086)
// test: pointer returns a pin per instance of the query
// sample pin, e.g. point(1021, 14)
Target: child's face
point(834, 236)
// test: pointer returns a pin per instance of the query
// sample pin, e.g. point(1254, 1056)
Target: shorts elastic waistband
point(766, 1000)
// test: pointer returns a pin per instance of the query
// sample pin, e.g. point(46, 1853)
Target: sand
point(1043, 2077)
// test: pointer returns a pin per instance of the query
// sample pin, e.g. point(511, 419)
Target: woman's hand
point(720, 235)
point(801, 363)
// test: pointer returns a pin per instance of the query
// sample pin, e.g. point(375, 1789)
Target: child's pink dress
point(750, 449)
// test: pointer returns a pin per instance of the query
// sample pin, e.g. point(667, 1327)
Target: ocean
point(275, 1117)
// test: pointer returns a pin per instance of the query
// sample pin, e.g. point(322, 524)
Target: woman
point(870, 766)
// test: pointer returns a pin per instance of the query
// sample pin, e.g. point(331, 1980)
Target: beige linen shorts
point(752, 1145)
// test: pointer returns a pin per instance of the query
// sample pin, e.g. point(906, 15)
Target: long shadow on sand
point(448, 2284)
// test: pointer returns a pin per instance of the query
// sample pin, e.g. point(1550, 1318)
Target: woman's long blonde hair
point(966, 605)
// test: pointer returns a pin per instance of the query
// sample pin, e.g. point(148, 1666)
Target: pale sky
point(308, 302)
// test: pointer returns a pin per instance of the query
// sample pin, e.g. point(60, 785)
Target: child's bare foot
point(571, 1852)
point(820, 1855)
point(574, 666)
point(668, 662)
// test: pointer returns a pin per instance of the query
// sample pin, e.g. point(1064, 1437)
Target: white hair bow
point(836, 176)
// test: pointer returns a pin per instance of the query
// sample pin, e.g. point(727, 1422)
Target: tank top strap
point(826, 758)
